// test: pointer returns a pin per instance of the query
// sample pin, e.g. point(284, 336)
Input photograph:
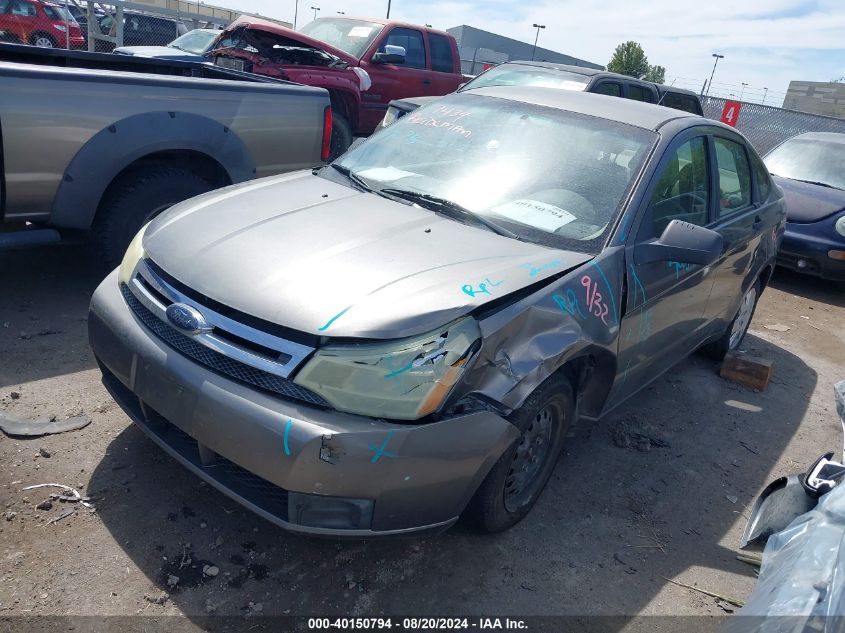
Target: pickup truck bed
point(102, 144)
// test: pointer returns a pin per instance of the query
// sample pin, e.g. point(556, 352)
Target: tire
point(731, 339)
point(133, 200)
point(341, 135)
point(501, 500)
point(42, 40)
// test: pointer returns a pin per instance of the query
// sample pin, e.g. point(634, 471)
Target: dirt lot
point(620, 515)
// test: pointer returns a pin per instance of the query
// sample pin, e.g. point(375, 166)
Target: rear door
point(741, 220)
point(8, 24)
point(23, 16)
point(640, 92)
point(666, 301)
point(443, 64)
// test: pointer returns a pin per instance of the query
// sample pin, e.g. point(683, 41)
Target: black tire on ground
point(341, 135)
point(500, 501)
point(717, 350)
point(42, 39)
point(134, 199)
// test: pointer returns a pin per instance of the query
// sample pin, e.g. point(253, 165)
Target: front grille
point(215, 360)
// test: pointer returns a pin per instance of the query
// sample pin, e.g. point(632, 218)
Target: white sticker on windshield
point(542, 215)
point(360, 31)
point(385, 174)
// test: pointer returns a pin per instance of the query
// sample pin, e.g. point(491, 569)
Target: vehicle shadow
point(44, 293)
point(656, 488)
point(809, 287)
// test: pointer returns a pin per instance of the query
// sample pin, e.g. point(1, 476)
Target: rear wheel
point(43, 40)
point(135, 199)
point(515, 482)
point(341, 135)
point(735, 333)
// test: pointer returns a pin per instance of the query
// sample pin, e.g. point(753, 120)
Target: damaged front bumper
point(303, 467)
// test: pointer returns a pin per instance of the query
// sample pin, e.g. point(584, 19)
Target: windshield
point(58, 13)
point(196, 41)
point(350, 36)
point(521, 75)
point(811, 160)
point(548, 175)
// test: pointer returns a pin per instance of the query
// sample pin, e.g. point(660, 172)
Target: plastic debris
point(73, 491)
point(13, 425)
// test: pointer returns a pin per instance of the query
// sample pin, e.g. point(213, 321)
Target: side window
point(639, 93)
point(4, 6)
point(680, 102)
point(608, 88)
point(412, 41)
point(682, 192)
point(441, 53)
point(764, 181)
point(734, 176)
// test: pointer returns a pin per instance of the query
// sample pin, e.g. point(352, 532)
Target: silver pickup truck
point(101, 144)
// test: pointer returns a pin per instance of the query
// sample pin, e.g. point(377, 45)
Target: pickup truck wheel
point(43, 40)
point(341, 135)
point(735, 333)
point(516, 480)
point(135, 199)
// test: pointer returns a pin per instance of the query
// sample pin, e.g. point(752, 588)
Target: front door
point(666, 301)
point(395, 81)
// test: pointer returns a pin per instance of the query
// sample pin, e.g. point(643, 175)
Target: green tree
point(630, 59)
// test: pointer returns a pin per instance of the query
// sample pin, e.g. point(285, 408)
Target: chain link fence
point(768, 126)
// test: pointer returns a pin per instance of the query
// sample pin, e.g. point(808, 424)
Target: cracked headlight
point(404, 379)
point(840, 226)
point(134, 253)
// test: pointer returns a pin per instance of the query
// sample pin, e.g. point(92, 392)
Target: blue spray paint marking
point(334, 318)
point(536, 270)
point(396, 372)
point(483, 287)
point(380, 452)
point(623, 230)
point(609, 290)
point(287, 433)
point(639, 285)
point(568, 304)
point(678, 266)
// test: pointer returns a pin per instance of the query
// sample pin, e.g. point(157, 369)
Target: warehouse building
point(479, 49)
point(816, 97)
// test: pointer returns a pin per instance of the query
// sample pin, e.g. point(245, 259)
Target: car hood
point(323, 258)
point(168, 52)
point(806, 203)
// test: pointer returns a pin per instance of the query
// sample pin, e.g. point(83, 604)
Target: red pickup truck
point(363, 63)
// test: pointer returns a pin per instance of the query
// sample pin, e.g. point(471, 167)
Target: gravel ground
point(619, 517)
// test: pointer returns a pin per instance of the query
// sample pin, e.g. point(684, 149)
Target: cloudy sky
point(766, 43)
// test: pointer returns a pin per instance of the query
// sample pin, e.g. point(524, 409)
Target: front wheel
point(515, 482)
point(736, 331)
point(42, 40)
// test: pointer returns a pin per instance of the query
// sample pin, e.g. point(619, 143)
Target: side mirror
point(681, 242)
point(391, 55)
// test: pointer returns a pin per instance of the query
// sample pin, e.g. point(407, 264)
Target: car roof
point(580, 70)
point(384, 22)
point(635, 113)
point(831, 137)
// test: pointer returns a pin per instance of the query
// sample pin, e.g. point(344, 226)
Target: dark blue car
point(810, 168)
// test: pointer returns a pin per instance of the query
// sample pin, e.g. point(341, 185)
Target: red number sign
point(730, 113)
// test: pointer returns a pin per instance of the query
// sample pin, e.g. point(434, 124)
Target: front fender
point(111, 150)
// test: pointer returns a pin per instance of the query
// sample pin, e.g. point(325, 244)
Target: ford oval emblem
point(186, 319)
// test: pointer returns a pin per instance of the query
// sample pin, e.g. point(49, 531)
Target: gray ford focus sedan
point(402, 337)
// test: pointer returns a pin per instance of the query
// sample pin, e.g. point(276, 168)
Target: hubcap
point(531, 455)
point(44, 42)
point(743, 318)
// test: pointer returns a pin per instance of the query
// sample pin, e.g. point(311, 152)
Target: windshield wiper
point(450, 208)
point(353, 177)
point(816, 182)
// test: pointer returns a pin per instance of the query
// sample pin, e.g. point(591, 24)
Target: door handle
point(426, 82)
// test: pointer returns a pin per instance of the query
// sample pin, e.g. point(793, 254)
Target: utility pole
point(536, 37)
point(742, 92)
point(710, 85)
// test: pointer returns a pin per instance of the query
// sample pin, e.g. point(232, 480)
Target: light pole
point(742, 92)
point(388, 9)
point(341, 12)
point(315, 11)
point(295, 13)
point(536, 37)
point(765, 92)
point(718, 57)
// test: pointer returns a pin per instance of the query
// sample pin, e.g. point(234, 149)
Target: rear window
point(687, 103)
point(441, 53)
point(639, 93)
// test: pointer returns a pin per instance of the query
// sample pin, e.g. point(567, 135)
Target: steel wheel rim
point(532, 453)
point(743, 318)
point(44, 42)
